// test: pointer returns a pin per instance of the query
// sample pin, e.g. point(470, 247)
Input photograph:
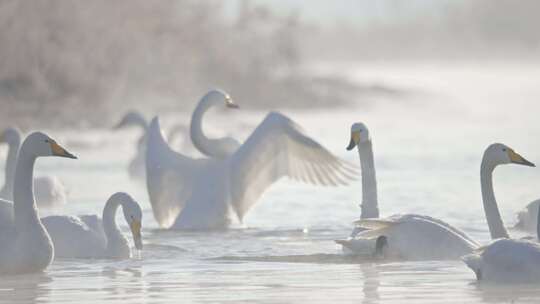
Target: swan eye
point(504, 149)
point(46, 140)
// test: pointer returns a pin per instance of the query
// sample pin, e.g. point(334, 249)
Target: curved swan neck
point(199, 139)
point(493, 216)
point(23, 194)
point(11, 163)
point(370, 206)
point(109, 220)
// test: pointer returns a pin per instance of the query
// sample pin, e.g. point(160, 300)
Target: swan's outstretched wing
point(279, 147)
point(170, 176)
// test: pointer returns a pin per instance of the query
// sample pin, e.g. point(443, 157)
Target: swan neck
point(199, 139)
point(11, 163)
point(493, 216)
point(25, 209)
point(109, 220)
point(370, 206)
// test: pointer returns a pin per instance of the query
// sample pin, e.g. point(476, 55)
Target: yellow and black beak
point(518, 159)
point(136, 232)
point(355, 139)
point(57, 150)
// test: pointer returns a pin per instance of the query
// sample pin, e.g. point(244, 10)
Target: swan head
point(132, 118)
point(133, 215)
point(359, 135)
point(11, 136)
point(42, 145)
point(220, 97)
point(500, 154)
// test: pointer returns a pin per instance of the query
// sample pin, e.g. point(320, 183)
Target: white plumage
point(25, 244)
point(504, 260)
point(91, 237)
point(49, 191)
point(528, 217)
point(407, 236)
point(189, 193)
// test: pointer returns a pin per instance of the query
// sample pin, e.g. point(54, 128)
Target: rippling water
point(428, 146)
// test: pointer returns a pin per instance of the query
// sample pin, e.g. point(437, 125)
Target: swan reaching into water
point(503, 260)
point(211, 193)
point(404, 236)
point(26, 245)
point(136, 167)
point(48, 190)
point(90, 237)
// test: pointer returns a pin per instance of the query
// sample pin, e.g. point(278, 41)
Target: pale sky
point(358, 11)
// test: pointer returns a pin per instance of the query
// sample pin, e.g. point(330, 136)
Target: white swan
point(48, 190)
point(402, 236)
point(503, 260)
point(136, 167)
point(189, 193)
point(90, 237)
point(26, 245)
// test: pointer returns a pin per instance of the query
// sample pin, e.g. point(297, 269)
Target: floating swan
point(403, 236)
point(48, 190)
point(90, 237)
point(503, 260)
point(188, 193)
point(26, 245)
point(136, 167)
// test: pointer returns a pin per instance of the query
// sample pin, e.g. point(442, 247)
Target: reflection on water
point(427, 152)
point(371, 283)
point(24, 288)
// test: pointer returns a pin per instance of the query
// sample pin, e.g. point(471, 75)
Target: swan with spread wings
point(211, 193)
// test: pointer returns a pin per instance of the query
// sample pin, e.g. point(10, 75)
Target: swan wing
point(170, 176)
point(279, 147)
